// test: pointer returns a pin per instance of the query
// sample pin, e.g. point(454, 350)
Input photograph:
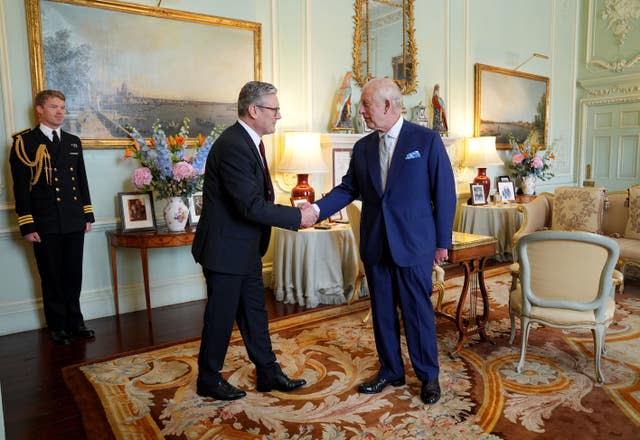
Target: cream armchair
point(565, 282)
point(437, 274)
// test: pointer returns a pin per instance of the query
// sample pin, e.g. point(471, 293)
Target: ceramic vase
point(529, 185)
point(176, 214)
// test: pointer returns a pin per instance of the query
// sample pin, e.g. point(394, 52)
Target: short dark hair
point(43, 95)
point(251, 93)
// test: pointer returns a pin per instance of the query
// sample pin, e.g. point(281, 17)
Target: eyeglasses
point(276, 110)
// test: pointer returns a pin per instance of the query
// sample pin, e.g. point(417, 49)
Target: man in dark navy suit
point(231, 238)
point(54, 212)
point(403, 176)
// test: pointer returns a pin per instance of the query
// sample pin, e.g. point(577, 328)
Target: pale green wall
point(306, 51)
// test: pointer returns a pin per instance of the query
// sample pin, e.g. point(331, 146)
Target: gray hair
point(385, 88)
point(251, 93)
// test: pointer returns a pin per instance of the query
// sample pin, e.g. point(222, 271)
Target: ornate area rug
point(151, 394)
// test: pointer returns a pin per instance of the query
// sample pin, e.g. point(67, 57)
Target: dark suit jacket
point(63, 203)
point(417, 209)
point(235, 225)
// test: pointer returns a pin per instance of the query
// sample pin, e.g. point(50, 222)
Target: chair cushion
point(578, 209)
point(633, 223)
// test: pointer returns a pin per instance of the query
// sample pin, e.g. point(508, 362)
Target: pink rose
point(517, 158)
point(141, 177)
point(183, 170)
point(537, 162)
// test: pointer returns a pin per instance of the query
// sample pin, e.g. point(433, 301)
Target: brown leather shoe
point(378, 384)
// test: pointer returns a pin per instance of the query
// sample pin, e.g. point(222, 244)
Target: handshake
point(309, 215)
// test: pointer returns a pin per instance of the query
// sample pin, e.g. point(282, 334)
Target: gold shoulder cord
point(42, 161)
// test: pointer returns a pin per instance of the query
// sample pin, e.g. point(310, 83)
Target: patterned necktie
point(56, 138)
point(267, 178)
point(385, 158)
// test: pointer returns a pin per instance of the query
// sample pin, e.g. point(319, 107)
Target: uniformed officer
point(54, 212)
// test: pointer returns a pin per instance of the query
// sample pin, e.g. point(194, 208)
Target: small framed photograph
point(136, 211)
point(504, 179)
point(477, 194)
point(507, 191)
point(195, 207)
point(298, 201)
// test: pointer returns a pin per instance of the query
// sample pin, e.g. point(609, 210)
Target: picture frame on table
point(507, 191)
point(195, 207)
point(296, 202)
point(477, 194)
point(504, 179)
point(136, 211)
point(97, 65)
point(510, 103)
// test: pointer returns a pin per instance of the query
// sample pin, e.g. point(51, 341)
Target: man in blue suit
point(403, 176)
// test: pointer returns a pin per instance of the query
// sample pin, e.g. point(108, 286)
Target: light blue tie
point(385, 158)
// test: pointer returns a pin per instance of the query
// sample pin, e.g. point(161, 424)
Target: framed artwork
point(298, 201)
point(124, 64)
point(136, 211)
point(509, 102)
point(477, 194)
point(341, 157)
point(195, 207)
point(507, 191)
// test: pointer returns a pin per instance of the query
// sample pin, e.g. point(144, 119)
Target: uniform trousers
point(59, 261)
point(238, 298)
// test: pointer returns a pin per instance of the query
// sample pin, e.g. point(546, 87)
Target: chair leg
point(514, 282)
point(439, 287)
point(598, 346)
point(366, 318)
point(357, 284)
point(512, 317)
point(524, 336)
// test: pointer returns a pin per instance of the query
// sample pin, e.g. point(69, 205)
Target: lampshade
point(302, 156)
point(481, 152)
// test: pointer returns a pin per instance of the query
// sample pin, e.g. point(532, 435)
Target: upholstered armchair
point(437, 273)
point(565, 282)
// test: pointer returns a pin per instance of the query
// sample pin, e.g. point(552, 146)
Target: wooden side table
point(143, 240)
point(471, 251)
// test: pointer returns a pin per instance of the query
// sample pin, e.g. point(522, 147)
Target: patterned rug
point(151, 394)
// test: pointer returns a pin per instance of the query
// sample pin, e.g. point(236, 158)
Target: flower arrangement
point(531, 160)
point(173, 168)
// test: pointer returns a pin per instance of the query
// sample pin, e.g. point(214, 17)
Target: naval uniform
point(52, 198)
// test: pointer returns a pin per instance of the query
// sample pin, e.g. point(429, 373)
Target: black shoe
point(60, 337)
point(222, 391)
point(84, 333)
point(279, 382)
point(430, 392)
point(378, 384)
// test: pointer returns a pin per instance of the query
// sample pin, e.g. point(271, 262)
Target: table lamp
point(302, 156)
point(480, 153)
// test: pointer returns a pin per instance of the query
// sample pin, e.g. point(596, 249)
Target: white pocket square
point(413, 155)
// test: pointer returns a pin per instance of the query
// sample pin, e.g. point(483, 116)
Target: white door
point(613, 144)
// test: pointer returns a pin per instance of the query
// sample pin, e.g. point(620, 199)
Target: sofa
point(592, 210)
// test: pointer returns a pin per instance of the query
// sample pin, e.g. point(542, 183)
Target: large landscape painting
point(510, 103)
point(122, 64)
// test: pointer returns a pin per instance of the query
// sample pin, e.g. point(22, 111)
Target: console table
point(143, 240)
point(314, 266)
point(471, 251)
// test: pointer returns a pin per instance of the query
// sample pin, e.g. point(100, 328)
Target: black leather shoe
point(222, 391)
point(84, 333)
point(279, 382)
point(430, 392)
point(378, 384)
point(60, 337)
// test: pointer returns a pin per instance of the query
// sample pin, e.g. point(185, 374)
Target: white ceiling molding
point(618, 17)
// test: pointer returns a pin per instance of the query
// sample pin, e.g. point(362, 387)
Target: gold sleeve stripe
point(25, 219)
point(41, 162)
point(87, 209)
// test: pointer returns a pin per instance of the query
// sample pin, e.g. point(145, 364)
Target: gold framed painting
point(125, 64)
point(510, 103)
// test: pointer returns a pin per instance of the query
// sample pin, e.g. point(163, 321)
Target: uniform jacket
point(59, 201)
point(235, 224)
point(416, 210)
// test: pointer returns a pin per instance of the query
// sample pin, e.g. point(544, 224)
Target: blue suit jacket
point(416, 210)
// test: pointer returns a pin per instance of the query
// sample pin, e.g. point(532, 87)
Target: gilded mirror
point(384, 43)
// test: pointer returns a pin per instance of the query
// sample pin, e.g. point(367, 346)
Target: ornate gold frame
point(410, 55)
point(36, 46)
